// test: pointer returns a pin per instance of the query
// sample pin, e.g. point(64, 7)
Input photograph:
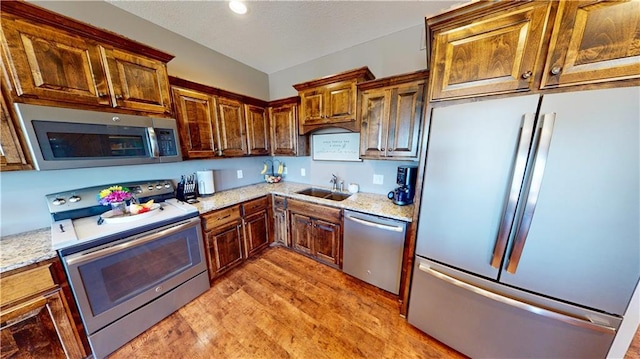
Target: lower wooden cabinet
point(224, 248)
point(35, 316)
point(316, 231)
point(280, 221)
point(236, 233)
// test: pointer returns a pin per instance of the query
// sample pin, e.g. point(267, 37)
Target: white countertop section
point(371, 203)
point(26, 248)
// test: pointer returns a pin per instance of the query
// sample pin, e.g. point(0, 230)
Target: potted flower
point(116, 197)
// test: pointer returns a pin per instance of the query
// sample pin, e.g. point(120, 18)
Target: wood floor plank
point(281, 304)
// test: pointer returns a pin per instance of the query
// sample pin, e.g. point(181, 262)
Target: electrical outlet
point(240, 174)
point(378, 179)
point(303, 172)
point(285, 171)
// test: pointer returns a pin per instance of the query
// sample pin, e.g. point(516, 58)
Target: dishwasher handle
point(374, 224)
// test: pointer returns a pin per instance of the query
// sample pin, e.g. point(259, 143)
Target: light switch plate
point(378, 179)
point(240, 174)
point(303, 172)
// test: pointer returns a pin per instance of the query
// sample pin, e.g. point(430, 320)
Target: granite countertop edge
point(22, 249)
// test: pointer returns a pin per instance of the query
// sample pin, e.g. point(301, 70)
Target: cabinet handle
point(227, 216)
point(556, 70)
point(527, 74)
point(364, 123)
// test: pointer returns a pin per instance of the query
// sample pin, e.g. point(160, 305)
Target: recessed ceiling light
point(238, 7)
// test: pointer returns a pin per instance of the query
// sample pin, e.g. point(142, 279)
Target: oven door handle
point(90, 254)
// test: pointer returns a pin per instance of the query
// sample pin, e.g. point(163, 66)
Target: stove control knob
point(59, 201)
point(150, 188)
point(158, 186)
point(137, 190)
point(74, 199)
point(167, 185)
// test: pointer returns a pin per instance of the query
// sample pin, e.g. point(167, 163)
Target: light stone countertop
point(26, 248)
point(20, 250)
point(370, 203)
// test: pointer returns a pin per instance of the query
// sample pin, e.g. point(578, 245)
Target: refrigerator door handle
point(524, 141)
point(539, 163)
point(579, 322)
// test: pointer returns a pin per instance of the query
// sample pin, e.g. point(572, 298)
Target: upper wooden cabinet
point(486, 48)
point(331, 101)
point(391, 115)
point(12, 157)
point(55, 60)
point(258, 137)
point(195, 113)
point(285, 138)
point(214, 122)
point(593, 41)
point(231, 127)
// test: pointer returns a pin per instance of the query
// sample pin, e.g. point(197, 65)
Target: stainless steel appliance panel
point(482, 320)
point(583, 243)
point(61, 138)
point(473, 150)
point(111, 281)
point(373, 248)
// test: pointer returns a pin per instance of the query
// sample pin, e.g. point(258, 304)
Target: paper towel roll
point(205, 182)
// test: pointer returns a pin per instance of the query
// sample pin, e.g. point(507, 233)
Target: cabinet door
point(39, 328)
point(225, 248)
point(375, 112)
point(281, 225)
point(231, 127)
point(326, 245)
point(137, 83)
point(11, 155)
point(257, 130)
point(312, 107)
point(256, 228)
point(283, 130)
point(49, 64)
point(594, 41)
point(195, 113)
point(405, 120)
point(341, 102)
point(301, 233)
point(494, 54)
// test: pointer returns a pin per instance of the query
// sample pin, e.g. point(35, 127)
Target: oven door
point(112, 280)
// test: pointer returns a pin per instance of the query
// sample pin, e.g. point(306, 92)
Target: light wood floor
point(284, 305)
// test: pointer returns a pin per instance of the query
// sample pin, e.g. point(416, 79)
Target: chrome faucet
point(334, 182)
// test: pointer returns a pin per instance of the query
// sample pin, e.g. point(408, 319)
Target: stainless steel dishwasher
point(373, 249)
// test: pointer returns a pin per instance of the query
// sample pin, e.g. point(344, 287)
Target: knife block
point(186, 192)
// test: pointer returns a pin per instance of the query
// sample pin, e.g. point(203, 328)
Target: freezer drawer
point(372, 249)
point(481, 321)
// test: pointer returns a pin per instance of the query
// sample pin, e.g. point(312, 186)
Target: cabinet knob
point(527, 74)
point(389, 149)
point(119, 97)
point(102, 94)
point(364, 123)
point(556, 70)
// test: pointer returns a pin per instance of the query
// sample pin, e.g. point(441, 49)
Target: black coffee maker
point(406, 179)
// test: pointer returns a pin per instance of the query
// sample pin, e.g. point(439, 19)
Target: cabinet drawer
point(25, 284)
point(329, 214)
point(255, 205)
point(279, 202)
point(220, 217)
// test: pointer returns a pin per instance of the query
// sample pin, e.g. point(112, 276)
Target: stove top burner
point(76, 215)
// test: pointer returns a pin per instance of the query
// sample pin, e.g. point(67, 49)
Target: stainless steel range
point(129, 272)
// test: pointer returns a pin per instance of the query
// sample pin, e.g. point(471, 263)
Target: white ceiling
point(275, 35)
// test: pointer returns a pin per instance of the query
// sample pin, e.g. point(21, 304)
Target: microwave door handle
point(524, 141)
point(539, 163)
point(153, 141)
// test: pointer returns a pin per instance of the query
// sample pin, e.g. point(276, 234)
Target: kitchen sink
point(323, 193)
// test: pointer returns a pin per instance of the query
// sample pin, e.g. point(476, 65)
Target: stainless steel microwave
point(61, 138)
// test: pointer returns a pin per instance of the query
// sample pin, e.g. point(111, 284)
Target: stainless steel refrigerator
point(528, 239)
